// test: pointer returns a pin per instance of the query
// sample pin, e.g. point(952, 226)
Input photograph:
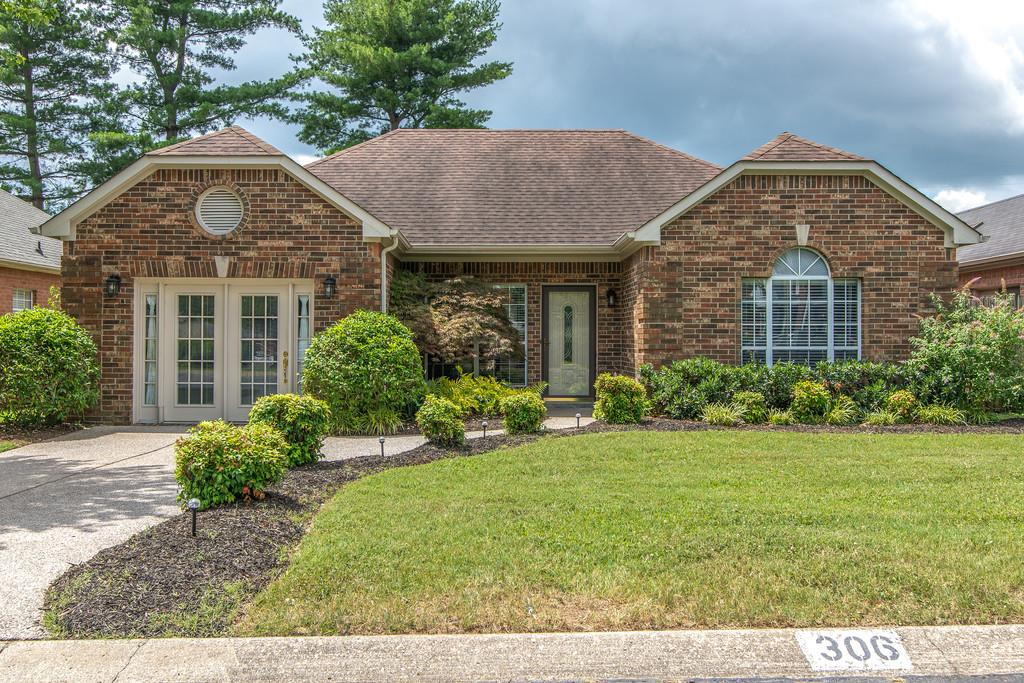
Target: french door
point(223, 346)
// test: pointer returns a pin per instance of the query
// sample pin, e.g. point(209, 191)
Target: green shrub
point(620, 399)
point(842, 411)
point(881, 418)
point(218, 462)
point(971, 355)
point(753, 405)
point(681, 390)
point(866, 382)
point(440, 421)
point(303, 421)
point(49, 366)
point(941, 415)
point(474, 396)
point(524, 412)
point(810, 401)
point(722, 414)
point(780, 417)
point(368, 370)
point(778, 381)
point(902, 404)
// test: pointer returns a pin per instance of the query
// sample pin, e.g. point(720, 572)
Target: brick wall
point(14, 278)
point(994, 278)
point(535, 275)
point(150, 231)
point(690, 303)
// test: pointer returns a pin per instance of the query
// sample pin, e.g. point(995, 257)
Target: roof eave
point(991, 262)
point(34, 267)
point(63, 225)
point(958, 232)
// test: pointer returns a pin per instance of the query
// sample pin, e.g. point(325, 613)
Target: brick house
point(204, 268)
point(998, 262)
point(29, 263)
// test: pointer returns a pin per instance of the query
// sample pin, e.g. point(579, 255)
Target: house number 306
point(853, 650)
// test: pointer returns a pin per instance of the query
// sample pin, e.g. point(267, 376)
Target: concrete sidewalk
point(936, 653)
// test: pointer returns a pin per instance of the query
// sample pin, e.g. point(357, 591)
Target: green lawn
point(667, 530)
point(7, 445)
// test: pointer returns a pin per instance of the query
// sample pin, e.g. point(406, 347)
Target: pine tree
point(172, 47)
point(396, 64)
point(54, 65)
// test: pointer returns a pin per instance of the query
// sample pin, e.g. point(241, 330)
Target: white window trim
point(14, 299)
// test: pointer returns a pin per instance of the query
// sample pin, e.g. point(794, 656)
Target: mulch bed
point(23, 436)
point(147, 585)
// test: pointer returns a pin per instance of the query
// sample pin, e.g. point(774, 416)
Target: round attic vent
point(219, 210)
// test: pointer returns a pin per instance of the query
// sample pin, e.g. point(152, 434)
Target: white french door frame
point(227, 295)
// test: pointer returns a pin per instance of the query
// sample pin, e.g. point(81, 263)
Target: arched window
point(800, 314)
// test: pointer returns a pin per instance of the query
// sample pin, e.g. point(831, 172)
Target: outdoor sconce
point(329, 284)
point(613, 297)
point(112, 285)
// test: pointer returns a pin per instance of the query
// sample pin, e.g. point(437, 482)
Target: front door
point(569, 339)
point(229, 345)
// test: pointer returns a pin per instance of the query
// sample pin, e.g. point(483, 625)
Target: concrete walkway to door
point(64, 500)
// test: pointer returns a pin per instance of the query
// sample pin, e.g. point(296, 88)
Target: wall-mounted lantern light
point(613, 298)
point(112, 285)
point(329, 284)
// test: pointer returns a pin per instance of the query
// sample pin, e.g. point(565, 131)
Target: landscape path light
point(484, 424)
point(193, 505)
point(381, 446)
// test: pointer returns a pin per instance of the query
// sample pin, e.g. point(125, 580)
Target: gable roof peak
point(791, 147)
point(230, 141)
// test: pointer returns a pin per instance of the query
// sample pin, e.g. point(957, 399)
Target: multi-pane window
point(509, 369)
point(304, 334)
point(800, 314)
point(23, 300)
point(259, 347)
point(195, 350)
point(149, 363)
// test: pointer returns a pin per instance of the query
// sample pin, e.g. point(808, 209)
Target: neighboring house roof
point(1002, 223)
point(231, 141)
point(790, 147)
point(19, 248)
point(513, 187)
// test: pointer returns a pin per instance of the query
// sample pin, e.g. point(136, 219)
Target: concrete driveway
point(64, 500)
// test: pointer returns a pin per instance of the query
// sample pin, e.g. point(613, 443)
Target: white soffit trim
point(63, 224)
point(957, 232)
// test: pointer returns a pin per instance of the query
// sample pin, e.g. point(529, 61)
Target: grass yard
point(648, 530)
point(7, 445)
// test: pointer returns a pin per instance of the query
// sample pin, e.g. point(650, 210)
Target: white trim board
point(957, 232)
point(63, 224)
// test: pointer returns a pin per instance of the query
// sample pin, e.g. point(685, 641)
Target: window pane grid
point(507, 369)
point(22, 300)
point(195, 379)
point(259, 347)
point(149, 351)
point(799, 314)
point(303, 335)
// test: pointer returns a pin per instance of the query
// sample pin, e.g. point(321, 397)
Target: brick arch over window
point(800, 313)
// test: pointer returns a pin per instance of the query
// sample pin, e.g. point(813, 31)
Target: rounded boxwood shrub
point(524, 412)
point(50, 372)
point(217, 462)
point(303, 421)
point(620, 399)
point(368, 371)
point(440, 420)
point(810, 401)
point(753, 406)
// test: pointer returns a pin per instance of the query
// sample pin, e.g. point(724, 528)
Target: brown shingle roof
point(231, 141)
point(790, 147)
point(1003, 223)
point(510, 187)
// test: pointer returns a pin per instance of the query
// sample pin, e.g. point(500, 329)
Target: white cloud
point(960, 199)
point(304, 159)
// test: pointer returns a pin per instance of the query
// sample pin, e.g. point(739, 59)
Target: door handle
point(284, 359)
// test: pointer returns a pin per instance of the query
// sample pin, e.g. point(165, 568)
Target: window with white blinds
point(219, 211)
point(509, 369)
point(800, 314)
point(23, 300)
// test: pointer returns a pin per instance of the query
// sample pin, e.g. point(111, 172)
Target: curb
point(943, 651)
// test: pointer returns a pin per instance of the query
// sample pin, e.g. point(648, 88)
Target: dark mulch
point(26, 435)
point(473, 424)
point(163, 582)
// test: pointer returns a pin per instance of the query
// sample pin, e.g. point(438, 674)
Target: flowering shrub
point(810, 401)
point(902, 404)
point(971, 355)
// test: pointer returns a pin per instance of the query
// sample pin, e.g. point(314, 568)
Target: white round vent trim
point(219, 210)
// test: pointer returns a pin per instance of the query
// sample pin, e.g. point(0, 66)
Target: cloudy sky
point(933, 89)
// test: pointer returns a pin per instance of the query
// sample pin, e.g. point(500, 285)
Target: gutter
point(384, 270)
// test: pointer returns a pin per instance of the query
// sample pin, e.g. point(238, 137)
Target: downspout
point(384, 271)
